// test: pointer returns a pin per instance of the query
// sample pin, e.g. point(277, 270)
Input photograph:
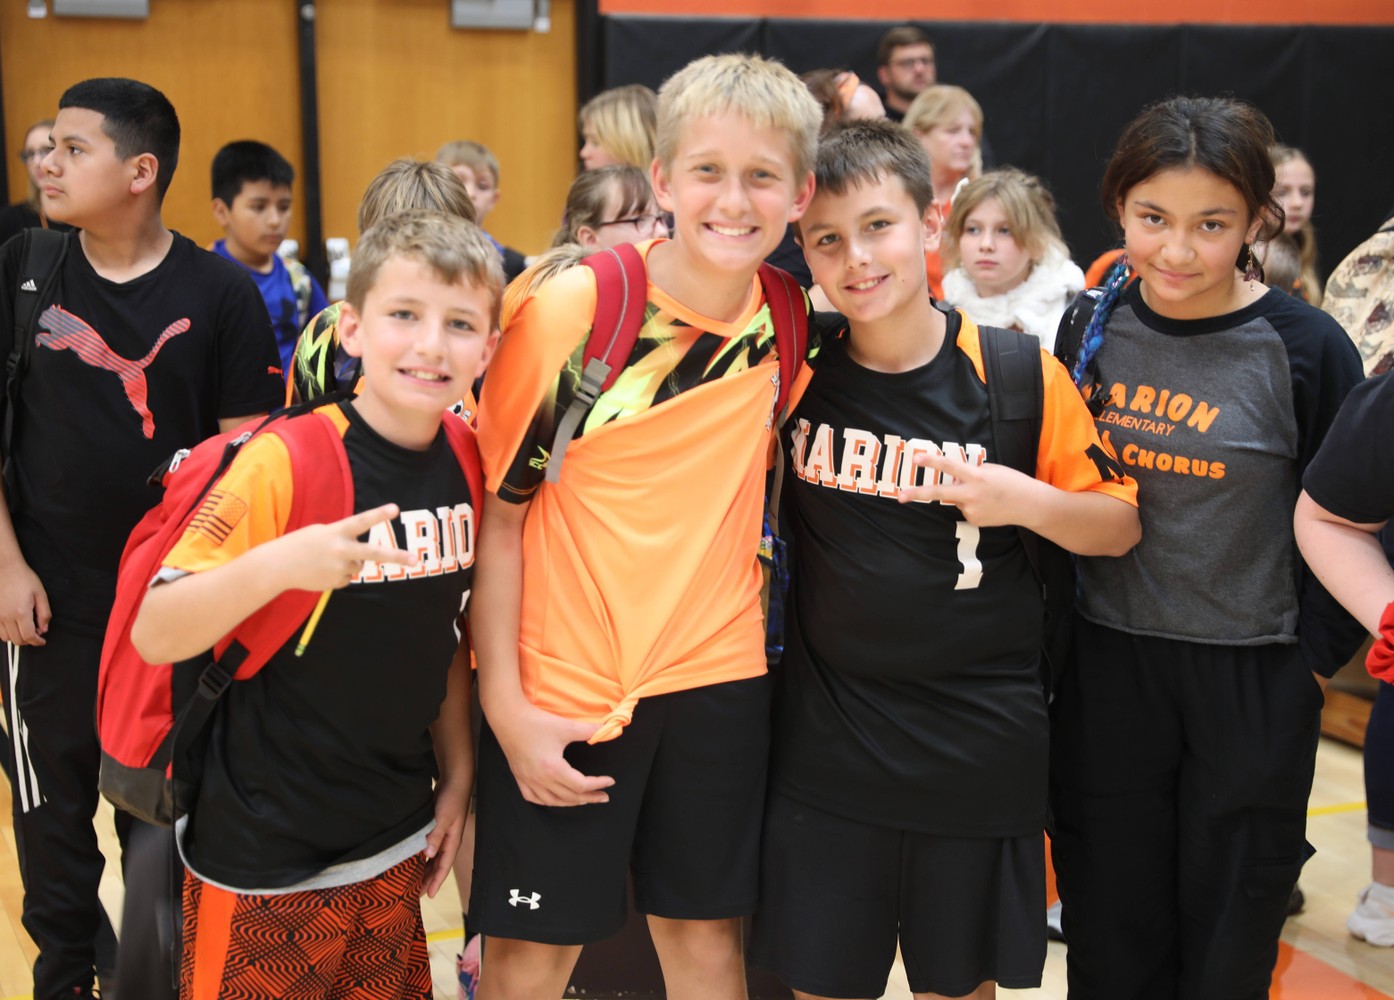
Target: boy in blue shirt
point(251, 201)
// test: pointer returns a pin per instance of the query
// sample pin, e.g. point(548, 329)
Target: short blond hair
point(468, 153)
point(764, 92)
point(624, 121)
point(452, 247)
point(408, 184)
point(939, 105)
point(1026, 203)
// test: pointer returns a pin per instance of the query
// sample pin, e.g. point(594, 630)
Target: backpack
point(303, 286)
point(40, 262)
point(151, 717)
point(1016, 404)
point(621, 284)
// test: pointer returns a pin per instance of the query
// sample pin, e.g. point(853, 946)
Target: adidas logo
point(29, 286)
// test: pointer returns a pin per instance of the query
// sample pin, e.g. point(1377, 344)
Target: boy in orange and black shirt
point(316, 825)
point(908, 778)
point(620, 617)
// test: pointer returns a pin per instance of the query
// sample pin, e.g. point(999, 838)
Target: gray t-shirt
point(1216, 418)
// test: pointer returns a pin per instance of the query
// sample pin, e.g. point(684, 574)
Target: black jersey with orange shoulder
point(327, 758)
point(909, 694)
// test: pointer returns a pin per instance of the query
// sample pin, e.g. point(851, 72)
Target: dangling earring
point(1251, 268)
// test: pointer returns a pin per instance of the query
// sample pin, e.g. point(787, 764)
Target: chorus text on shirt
point(1159, 413)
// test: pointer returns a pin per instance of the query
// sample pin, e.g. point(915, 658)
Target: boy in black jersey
point(908, 778)
point(316, 827)
point(147, 345)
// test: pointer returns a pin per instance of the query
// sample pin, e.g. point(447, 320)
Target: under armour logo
point(29, 286)
point(532, 902)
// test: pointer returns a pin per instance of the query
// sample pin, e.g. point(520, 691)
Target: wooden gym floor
point(1319, 960)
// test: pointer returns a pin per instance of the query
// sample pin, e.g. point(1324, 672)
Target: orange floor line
point(1299, 976)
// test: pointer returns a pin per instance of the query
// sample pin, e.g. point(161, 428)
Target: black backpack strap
point(1016, 403)
point(1070, 334)
point(1016, 395)
point(40, 261)
point(1016, 399)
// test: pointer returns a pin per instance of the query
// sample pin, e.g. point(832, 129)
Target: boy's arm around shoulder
point(533, 740)
point(1080, 499)
point(231, 576)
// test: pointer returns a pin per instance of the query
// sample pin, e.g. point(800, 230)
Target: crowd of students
point(885, 785)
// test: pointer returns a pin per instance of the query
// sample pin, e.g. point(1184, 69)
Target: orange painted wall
point(198, 54)
point(394, 79)
point(1083, 11)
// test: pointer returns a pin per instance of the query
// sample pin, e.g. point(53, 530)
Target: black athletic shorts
point(837, 895)
point(684, 818)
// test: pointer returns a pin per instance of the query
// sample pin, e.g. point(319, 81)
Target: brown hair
point(1026, 202)
point(1227, 137)
point(898, 38)
point(585, 201)
point(449, 245)
point(868, 150)
point(1305, 239)
point(408, 184)
point(822, 84)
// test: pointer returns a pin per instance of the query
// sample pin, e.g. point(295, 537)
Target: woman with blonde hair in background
point(619, 126)
point(949, 124)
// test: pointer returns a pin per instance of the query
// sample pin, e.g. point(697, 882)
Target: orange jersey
point(640, 574)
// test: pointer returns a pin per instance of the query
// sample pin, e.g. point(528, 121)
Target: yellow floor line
point(1344, 807)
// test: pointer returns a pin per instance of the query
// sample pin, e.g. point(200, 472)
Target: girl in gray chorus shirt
point(1185, 729)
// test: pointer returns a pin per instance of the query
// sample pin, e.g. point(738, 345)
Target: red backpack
point(150, 716)
point(621, 292)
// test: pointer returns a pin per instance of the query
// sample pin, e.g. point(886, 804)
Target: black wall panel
point(649, 50)
point(1055, 97)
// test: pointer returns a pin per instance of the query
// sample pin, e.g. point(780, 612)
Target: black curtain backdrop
point(1056, 96)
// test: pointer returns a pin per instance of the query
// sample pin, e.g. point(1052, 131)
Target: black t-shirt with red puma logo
point(121, 376)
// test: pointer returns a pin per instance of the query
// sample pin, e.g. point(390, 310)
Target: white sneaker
point(1373, 919)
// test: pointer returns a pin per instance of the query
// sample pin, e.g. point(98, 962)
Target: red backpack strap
point(789, 314)
point(462, 439)
point(321, 493)
point(621, 294)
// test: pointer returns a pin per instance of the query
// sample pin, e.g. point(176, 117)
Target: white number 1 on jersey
point(972, 572)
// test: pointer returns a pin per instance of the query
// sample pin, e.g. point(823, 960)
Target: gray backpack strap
point(621, 286)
